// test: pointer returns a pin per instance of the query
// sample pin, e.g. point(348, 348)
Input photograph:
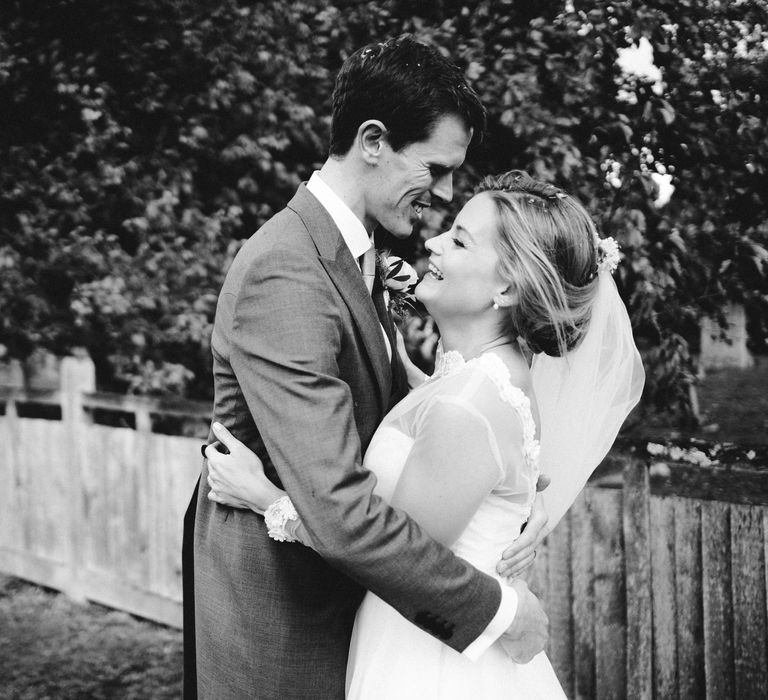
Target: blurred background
point(142, 141)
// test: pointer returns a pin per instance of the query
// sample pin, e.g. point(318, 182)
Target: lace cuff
point(277, 516)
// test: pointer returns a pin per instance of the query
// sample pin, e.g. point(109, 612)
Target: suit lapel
point(345, 275)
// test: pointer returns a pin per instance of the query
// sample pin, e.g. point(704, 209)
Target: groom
point(305, 368)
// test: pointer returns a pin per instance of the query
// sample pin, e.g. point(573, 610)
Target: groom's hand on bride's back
point(528, 633)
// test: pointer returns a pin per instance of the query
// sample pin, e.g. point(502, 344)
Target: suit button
point(434, 624)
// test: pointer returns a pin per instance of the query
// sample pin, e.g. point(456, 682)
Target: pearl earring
point(495, 306)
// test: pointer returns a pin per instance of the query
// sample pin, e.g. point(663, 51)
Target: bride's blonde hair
point(548, 253)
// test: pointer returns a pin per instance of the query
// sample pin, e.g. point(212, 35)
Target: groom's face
point(409, 180)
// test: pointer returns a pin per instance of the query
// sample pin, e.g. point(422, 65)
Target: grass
point(733, 408)
point(734, 404)
point(53, 648)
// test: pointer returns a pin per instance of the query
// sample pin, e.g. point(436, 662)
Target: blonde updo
point(548, 254)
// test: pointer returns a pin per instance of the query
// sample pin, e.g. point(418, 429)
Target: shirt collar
point(352, 230)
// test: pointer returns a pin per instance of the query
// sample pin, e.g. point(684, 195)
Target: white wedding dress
point(390, 658)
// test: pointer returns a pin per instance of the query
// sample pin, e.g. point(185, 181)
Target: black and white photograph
point(384, 350)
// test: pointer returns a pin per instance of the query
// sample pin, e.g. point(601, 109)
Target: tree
point(146, 139)
point(561, 108)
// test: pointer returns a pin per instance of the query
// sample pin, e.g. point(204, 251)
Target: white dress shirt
point(358, 241)
point(352, 230)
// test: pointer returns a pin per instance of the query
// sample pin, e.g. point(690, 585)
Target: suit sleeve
point(285, 340)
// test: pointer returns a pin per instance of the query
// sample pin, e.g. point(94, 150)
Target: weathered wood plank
point(738, 483)
point(610, 595)
point(637, 544)
point(24, 485)
point(49, 397)
point(132, 403)
point(94, 478)
point(166, 519)
point(690, 615)
point(750, 626)
point(143, 493)
point(664, 602)
point(583, 597)
point(41, 570)
point(181, 462)
point(42, 460)
point(718, 608)
point(159, 497)
point(559, 596)
point(765, 553)
point(10, 520)
point(118, 496)
point(109, 588)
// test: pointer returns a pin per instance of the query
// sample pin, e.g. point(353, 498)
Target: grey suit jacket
point(303, 378)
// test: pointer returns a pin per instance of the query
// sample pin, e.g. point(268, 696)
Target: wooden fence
point(655, 591)
point(90, 509)
point(655, 587)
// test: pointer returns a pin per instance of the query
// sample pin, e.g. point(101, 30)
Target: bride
point(521, 272)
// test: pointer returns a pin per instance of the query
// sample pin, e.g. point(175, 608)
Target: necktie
point(368, 267)
point(399, 380)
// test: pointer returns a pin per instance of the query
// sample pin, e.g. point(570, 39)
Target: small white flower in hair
point(609, 254)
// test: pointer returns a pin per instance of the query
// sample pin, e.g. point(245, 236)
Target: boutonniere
point(399, 280)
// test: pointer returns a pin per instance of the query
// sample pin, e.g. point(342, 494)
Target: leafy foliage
point(146, 139)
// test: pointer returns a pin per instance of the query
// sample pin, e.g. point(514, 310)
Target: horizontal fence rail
point(655, 586)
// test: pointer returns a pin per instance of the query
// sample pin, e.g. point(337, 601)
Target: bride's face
point(463, 276)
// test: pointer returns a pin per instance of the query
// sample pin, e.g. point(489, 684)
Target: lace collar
point(447, 362)
point(450, 362)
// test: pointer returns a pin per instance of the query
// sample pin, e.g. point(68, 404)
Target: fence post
point(637, 546)
point(145, 550)
point(78, 376)
point(12, 530)
point(583, 593)
point(750, 647)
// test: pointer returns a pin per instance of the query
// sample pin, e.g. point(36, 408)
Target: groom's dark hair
point(405, 84)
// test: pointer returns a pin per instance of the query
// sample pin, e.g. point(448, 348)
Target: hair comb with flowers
point(540, 193)
point(608, 254)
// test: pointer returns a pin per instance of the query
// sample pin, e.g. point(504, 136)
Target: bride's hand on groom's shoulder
point(521, 554)
point(237, 477)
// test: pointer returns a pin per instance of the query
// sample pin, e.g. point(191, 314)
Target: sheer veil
point(584, 397)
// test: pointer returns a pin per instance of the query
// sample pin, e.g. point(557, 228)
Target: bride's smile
point(463, 280)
